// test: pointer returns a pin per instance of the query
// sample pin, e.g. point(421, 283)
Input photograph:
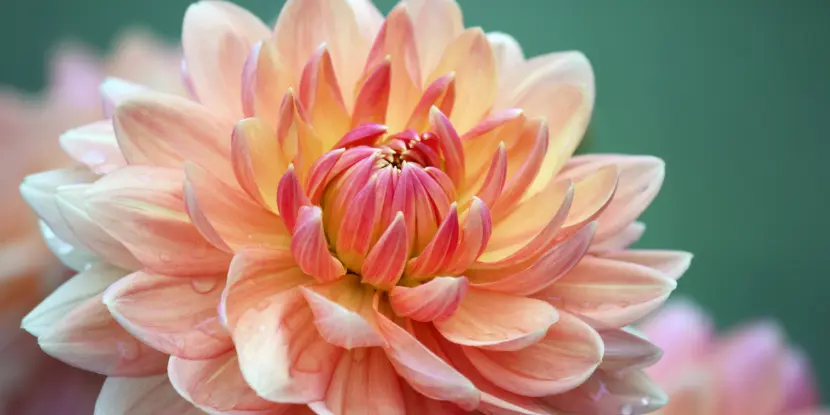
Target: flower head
point(751, 370)
point(352, 214)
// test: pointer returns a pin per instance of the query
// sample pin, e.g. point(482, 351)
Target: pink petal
point(686, 335)
point(437, 23)
point(481, 142)
point(440, 94)
point(264, 79)
point(425, 372)
point(626, 351)
point(496, 178)
point(143, 208)
point(435, 300)
point(363, 135)
point(801, 392)
point(290, 198)
point(450, 144)
point(258, 161)
point(372, 100)
point(593, 193)
point(612, 293)
point(562, 360)
point(215, 384)
point(322, 100)
point(355, 235)
point(416, 403)
point(310, 248)
point(174, 315)
point(498, 321)
point(517, 184)
point(622, 240)
point(225, 213)
point(386, 261)
point(152, 395)
point(164, 130)
point(671, 263)
point(612, 393)
point(343, 313)
point(440, 250)
point(474, 237)
point(364, 382)
point(94, 145)
point(216, 38)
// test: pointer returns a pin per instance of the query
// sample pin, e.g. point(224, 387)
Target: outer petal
point(216, 38)
point(143, 208)
point(95, 146)
point(264, 79)
point(686, 332)
point(151, 395)
point(612, 293)
point(561, 361)
point(363, 383)
point(626, 351)
point(498, 321)
point(507, 51)
point(611, 393)
point(437, 23)
point(671, 263)
point(343, 312)
point(174, 315)
point(435, 300)
point(622, 240)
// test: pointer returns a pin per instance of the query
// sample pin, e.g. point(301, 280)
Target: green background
point(733, 95)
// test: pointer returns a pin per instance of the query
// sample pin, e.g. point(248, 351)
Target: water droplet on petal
point(204, 285)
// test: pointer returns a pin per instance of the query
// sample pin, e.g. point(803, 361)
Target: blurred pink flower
point(31, 125)
point(749, 371)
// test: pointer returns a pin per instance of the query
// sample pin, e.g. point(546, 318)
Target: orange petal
point(622, 240)
point(223, 212)
point(264, 80)
point(143, 208)
point(258, 160)
point(298, 140)
point(562, 360)
point(303, 25)
point(364, 382)
point(517, 183)
point(425, 372)
point(216, 39)
point(310, 248)
point(372, 100)
point(451, 148)
point(440, 94)
point(435, 300)
point(610, 292)
point(164, 130)
point(502, 126)
point(592, 195)
point(151, 395)
point(498, 321)
point(507, 53)
point(416, 403)
point(440, 250)
point(355, 235)
point(671, 263)
point(611, 393)
point(626, 351)
point(473, 239)
point(215, 384)
point(343, 313)
point(74, 326)
point(469, 56)
point(640, 181)
point(321, 99)
point(547, 269)
point(493, 184)
point(386, 261)
point(94, 145)
point(174, 315)
point(437, 23)
point(72, 206)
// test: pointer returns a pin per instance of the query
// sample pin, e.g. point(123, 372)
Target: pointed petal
point(440, 250)
point(425, 372)
point(592, 195)
point(114, 91)
point(355, 235)
point(626, 351)
point(143, 208)
point(174, 315)
point(74, 257)
point(216, 39)
point(640, 181)
point(322, 100)
point(310, 248)
point(507, 53)
point(152, 395)
point(439, 94)
point(372, 101)
point(469, 56)
point(437, 23)
point(164, 130)
point(435, 300)
point(215, 384)
point(94, 145)
point(496, 178)
point(473, 239)
point(562, 360)
point(219, 210)
point(498, 321)
point(671, 263)
point(258, 160)
point(481, 142)
point(264, 81)
point(343, 313)
point(451, 148)
point(364, 135)
point(364, 382)
point(386, 261)
point(290, 198)
point(535, 132)
point(610, 393)
point(622, 240)
point(609, 292)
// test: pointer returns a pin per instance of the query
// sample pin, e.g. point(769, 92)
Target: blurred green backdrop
point(733, 95)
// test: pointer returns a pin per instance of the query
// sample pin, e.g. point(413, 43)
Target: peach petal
point(215, 384)
point(423, 370)
point(434, 300)
point(310, 248)
point(541, 75)
point(550, 267)
point(386, 261)
point(439, 252)
point(343, 313)
point(372, 100)
point(298, 140)
point(151, 395)
point(219, 210)
point(143, 208)
point(216, 39)
point(592, 195)
point(498, 321)
point(517, 183)
point(610, 393)
point(440, 94)
point(348, 185)
point(322, 100)
point(501, 126)
point(450, 144)
point(355, 235)
point(114, 91)
point(610, 292)
point(95, 146)
point(671, 263)
point(496, 178)
point(626, 351)
point(290, 198)
point(437, 23)
point(72, 206)
point(469, 56)
point(258, 160)
point(165, 130)
point(507, 53)
point(174, 315)
point(622, 240)
point(474, 237)
point(264, 78)
point(415, 403)
point(363, 382)
point(560, 361)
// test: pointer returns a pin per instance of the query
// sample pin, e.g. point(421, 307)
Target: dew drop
point(627, 409)
point(204, 285)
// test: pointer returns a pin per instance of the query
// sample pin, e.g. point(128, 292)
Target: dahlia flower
point(30, 126)
point(751, 370)
point(353, 214)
